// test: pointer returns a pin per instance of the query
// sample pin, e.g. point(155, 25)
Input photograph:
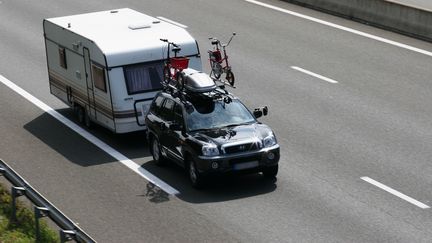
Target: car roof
point(190, 99)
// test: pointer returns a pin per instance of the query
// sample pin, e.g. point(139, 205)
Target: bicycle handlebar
point(169, 43)
point(215, 41)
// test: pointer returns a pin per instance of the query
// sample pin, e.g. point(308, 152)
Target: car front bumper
point(238, 162)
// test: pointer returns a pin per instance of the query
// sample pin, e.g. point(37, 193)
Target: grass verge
point(23, 230)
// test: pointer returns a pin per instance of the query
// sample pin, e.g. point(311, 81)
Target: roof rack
point(195, 84)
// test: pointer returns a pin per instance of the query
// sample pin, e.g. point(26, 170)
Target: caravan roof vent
point(139, 26)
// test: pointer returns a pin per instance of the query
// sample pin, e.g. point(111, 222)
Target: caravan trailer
point(108, 65)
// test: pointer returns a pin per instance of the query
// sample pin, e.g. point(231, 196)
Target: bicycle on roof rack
point(218, 63)
point(174, 66)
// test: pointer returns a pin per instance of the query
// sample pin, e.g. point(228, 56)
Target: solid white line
point(394, 43)
point(394, 192)
point(315, 75)
point(91, 138)
point(172, 22)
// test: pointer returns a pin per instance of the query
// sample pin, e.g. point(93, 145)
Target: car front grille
point(241, 148)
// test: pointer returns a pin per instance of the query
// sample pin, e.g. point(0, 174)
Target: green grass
point(23, 230)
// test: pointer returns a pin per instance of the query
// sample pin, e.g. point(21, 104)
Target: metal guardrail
point(43, 208)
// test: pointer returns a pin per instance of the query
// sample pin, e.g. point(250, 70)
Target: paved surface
point(424, 4)
point(375, 122)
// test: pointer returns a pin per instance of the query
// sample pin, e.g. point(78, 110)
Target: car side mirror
point(261, 111)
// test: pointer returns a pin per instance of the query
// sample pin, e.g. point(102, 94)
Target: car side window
point(178, 114)
point(157, 105)
point(167, 113)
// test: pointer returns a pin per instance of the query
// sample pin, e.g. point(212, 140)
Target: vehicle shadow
point(217, 189)
point(80, 151)
point(134, 146)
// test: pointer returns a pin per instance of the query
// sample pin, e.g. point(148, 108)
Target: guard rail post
point(39, 212)
point(43, 208)
point(67, 235)
point(16, 192)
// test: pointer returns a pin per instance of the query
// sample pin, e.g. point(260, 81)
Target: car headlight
point(210, 150)
point(269, 141)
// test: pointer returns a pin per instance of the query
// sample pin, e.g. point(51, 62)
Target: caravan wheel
point(87, 121)
point(80, 113)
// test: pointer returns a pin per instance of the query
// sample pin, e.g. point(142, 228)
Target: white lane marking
point(91, 138)
point(381, 39)
point(172, 22)
point(394, 192)
point(315, 75)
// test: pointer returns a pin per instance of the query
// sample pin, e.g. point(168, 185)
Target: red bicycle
point(174, 66)
point(218, 63)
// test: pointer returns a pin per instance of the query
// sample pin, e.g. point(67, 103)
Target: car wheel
point(271, 172)
point(156, 152)
point(195, 176)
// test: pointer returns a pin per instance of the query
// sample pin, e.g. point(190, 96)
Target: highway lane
point(423, 4)
point(374, 123)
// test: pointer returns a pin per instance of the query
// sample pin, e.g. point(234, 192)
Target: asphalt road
point(375, 122)
point(424, 4)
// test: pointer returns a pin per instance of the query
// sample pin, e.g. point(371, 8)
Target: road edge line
point(91, 138)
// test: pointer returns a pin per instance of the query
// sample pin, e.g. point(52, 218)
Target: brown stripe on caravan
point(126, 114)
point(61, 83)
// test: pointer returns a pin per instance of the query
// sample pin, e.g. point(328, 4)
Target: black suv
point(209, 134)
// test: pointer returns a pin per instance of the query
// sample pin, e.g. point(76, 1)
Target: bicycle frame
point(174, 65)
point(219, 64)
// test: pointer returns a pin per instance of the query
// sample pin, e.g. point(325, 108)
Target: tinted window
point(167, 112)
point(156, 105)
point(178, 114)
point(143, 77)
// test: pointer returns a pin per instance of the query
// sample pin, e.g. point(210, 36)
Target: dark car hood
point(234, 134)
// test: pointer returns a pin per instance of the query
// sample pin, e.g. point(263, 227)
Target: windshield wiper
point(238, 124)
point(202, 129)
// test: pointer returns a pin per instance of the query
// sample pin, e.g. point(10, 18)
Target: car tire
point(156, 152)
point(271, 171)
point(195, 176)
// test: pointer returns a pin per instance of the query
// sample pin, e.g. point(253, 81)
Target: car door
point(155, 122)
point(167, 117)
point(175, 133)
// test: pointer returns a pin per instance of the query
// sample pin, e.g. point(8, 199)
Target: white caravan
point(108, 65)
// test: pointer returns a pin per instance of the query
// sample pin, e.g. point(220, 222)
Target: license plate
point(246, 165)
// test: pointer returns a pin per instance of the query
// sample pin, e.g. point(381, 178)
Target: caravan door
point(91, 109)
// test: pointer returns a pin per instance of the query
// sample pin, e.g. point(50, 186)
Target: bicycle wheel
point(180, 80)
point(217, 70)
point(230, 77)
point(166, 74)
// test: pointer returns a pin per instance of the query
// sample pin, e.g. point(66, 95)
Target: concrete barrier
point(390, 15)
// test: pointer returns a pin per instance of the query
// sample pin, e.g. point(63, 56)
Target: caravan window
point(143, 77)
point(99, 77)
point(62, 57)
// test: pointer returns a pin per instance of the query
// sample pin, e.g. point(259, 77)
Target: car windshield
point(217, 114)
